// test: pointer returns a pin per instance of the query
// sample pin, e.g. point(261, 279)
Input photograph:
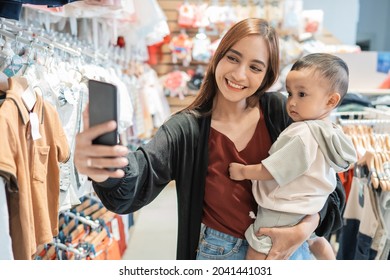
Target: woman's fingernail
point(121, 149)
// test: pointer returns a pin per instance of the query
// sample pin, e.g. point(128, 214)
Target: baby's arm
point(240, 172)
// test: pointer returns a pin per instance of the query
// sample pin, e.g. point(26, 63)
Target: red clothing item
point(346, 179)
point(117, 229)
point(386, 83)
point(107, 249)
point(227, 203)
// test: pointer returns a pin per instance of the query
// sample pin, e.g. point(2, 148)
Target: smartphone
point(103, 107)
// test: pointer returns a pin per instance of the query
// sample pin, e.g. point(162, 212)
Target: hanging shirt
point(303, 162)
point(31, 169)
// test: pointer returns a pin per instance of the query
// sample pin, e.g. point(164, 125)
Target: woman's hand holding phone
point(95, 160)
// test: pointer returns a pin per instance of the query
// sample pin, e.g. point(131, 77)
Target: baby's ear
point(334, 99)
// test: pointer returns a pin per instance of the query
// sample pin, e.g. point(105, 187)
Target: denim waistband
point(210, 231)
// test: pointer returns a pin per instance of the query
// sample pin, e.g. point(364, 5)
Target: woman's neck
point(226, 110)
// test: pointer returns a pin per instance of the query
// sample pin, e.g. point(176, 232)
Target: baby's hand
point(236, 171)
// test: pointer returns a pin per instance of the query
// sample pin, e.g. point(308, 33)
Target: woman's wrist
point(309, 224)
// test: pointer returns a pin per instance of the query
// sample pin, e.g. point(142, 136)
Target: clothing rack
point(19, 38)
point(69, 248)
point(368, 185)
point(364, 122)
point(84, 220)
point(350, 114)
point(36, 41)
point(379, 126)
point(19, 33)
point(367, 113)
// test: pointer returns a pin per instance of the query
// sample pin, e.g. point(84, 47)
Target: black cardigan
point(179, 151)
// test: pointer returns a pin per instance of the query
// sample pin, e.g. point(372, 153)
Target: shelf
point(370, 92)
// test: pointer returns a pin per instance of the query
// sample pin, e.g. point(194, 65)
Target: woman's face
point(242, 70)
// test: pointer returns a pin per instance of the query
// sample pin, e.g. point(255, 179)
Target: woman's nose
point(239, 73)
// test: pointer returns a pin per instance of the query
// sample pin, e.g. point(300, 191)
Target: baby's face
point(308, 95)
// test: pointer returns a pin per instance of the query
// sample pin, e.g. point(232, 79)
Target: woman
point(233, 111)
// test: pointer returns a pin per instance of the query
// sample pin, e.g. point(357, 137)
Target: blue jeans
point(215, 245)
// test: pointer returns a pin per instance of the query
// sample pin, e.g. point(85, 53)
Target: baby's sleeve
point(290, 160)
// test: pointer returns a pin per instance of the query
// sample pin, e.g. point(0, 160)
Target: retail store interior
point(157, 52)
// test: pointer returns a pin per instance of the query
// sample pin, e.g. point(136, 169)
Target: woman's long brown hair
point(250, 26)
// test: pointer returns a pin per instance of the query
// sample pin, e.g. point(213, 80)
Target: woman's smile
point(234, 86)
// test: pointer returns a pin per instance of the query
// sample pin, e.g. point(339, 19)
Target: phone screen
point(103, 107)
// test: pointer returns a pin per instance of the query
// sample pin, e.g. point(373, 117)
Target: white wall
point(374, 23)
point(340, 17)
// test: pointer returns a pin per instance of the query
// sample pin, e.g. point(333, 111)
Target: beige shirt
point(304, 161)
point(31, 169)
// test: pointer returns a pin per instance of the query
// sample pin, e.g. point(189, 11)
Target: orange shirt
point(31, 169)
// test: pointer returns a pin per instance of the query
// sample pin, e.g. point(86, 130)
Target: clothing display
point(33, 144)
point(364, 235)
point(157, 53)
point(43, 96)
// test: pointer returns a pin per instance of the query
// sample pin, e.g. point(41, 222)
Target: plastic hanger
point(368, 159)
point(99, 213)
point(91, 209)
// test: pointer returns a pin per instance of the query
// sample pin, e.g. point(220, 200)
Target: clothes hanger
point(99, 213)
point(74, 235)
point(368, 159)
point(386, 163)
point(108, 216)
point(69, 227)
point(40, 252)
point(380, 173)
point(99, 237)
point(387, 141)
point(92, 234)
point(91, 209)
point(83, 205)
point(50, 253)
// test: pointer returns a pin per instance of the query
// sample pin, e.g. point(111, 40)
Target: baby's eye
point(302, 94)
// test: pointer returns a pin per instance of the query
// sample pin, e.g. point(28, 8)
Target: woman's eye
point(232, 58)
point(256, 69)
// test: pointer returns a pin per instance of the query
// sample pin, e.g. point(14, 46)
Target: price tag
point(115, 229)
point(29, 98)
point(34, 121)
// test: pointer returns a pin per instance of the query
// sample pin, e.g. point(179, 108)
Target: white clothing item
point(304, 168)
point(149, 14)
point(134, 87)
point(125, 109)
point(201, 47)
point(81, 9)
point(5, 238)
point(154, 93)
point(266, 218)
point(161, 30)
point(85, 189)
point(63, 89)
